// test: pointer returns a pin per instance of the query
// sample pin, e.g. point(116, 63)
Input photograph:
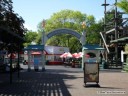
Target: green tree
point(123, 4)
point(68, 19)
point(90, 20)
point(63, 19)
point(13, 22)
point(93, 33)
point(30, 37)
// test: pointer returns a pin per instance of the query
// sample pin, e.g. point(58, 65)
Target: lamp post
point(43, 43)
point(83, 43)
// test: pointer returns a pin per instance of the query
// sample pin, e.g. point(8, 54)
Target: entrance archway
point(80, 37)
point(64, 31)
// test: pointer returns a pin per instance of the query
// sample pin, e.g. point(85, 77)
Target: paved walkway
point(63, 81)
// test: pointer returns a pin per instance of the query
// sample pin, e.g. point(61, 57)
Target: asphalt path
point(62, 81)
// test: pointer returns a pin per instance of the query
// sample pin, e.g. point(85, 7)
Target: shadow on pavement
point(35, 84)
point(99, 86)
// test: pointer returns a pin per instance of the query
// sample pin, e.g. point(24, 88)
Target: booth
point(35, 56)
point(92, 64)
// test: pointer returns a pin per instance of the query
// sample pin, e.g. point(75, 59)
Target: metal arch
point(63, 31)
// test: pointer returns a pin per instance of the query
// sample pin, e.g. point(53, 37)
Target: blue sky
point(34, 11)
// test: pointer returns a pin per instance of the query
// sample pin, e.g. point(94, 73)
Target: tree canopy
point(30, 37)
point(123, 4)
point(13, 23)
point(73, 20)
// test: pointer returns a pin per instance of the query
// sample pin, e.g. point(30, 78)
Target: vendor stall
point(35, 56)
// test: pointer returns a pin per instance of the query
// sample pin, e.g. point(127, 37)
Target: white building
point(53, 53)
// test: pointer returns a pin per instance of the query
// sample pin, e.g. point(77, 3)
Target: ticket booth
point(92, 64)
point(36, 57)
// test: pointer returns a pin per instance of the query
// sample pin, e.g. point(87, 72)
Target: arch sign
point(80, 37)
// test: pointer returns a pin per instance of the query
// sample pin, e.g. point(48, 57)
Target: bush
point(125, 68)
